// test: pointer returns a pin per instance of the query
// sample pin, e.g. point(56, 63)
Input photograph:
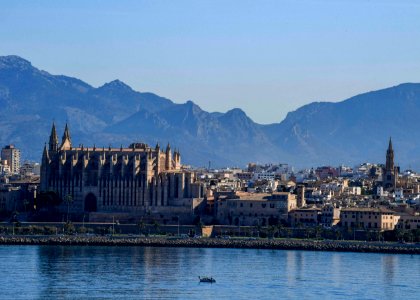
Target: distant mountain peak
point(14, 62)
point(194, 107)
point(116, 85)
point(236, 112)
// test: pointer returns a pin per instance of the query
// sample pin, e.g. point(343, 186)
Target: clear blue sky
point(266, 57)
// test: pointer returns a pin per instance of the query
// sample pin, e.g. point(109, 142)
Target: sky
point(266, 57)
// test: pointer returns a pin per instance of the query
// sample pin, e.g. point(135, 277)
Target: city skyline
point(267, 58)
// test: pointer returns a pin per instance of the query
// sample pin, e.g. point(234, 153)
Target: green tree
point(25, 204)
point(69, 228)
point(141, 226)
point(68, 199)
point(271, 230)
point(156, 226)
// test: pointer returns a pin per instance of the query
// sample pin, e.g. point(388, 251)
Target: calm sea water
point(73, 272)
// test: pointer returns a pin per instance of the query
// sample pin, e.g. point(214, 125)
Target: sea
point(115, 272)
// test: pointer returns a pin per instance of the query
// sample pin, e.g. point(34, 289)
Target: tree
point(156, 226)
point(68, 199)
point(400, 232)
point(271, 230)
point(142, 226)
point(318, 231)
point(25, 204)
point(69, 228)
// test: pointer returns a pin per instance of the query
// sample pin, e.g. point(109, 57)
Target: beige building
point(12, 155)
point(132, 182)
point(369, 218)
point(330, 215)
point(310, 216)
point(408, 221)
point(250, 209)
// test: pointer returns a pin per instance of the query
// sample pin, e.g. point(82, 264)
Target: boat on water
point(207, 279)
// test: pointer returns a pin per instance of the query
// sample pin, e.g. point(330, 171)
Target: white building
point(12, 155)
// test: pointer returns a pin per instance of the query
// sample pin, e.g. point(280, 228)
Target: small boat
point(207, 279)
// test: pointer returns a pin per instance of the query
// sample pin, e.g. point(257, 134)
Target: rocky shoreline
point(274, 244)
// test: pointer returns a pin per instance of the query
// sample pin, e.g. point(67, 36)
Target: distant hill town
point(321, 133)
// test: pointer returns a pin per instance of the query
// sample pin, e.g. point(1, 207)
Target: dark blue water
point(63, 272)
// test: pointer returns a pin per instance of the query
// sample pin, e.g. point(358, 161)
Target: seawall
point(274, 244)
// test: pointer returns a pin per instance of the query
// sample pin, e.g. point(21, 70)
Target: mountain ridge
point(319, 133)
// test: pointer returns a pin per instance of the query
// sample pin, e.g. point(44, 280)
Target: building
point(309, 217)
point(301, 202)
point(390, 172)
point(368, 218)
point(244, 176)
point(10, 198)
point(330, 215)
point(4, 167)
point(409, 221)
point(326, 172)
point(129, 183)
point(12, 156)
point(30, 169)
point(251, 209)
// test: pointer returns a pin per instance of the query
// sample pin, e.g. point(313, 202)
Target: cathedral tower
point(66, 140)
point(53, 144)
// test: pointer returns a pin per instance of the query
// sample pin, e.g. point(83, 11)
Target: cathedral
point(390, 172)
point(125, 182)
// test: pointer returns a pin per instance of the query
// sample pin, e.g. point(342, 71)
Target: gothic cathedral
point(134, 181)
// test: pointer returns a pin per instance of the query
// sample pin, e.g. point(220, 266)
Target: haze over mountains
point(321, 133)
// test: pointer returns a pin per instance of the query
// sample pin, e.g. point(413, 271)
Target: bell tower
point(390, 173)
point(389, 166)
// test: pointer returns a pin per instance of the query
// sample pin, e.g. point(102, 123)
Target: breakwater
point(280, 244)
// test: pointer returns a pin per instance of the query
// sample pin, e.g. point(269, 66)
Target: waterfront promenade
point(274, 244)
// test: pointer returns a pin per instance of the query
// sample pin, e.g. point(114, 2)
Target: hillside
point(352, 131)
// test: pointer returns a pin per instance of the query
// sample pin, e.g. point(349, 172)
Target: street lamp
point(83, 222)
point(113, 230)
point(178, 225)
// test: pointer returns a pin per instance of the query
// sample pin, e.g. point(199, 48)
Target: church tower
point(390, 172)
point(389, 166)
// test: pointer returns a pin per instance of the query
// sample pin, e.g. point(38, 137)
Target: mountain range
point(320, 133)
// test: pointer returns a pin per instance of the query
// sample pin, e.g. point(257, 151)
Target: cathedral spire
point(66, 132)
point(45, 155)
point(390, 145)
point(53, 144)
point(66, 140)
point(168, 158)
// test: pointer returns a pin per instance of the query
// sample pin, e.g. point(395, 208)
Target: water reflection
point(51, 272)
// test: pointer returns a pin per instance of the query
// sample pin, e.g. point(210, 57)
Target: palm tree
point(25, 203)
point(69, 200)
point(141, 225)
point(156, 225)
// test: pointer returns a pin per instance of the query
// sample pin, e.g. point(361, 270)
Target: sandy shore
point(280, 244)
